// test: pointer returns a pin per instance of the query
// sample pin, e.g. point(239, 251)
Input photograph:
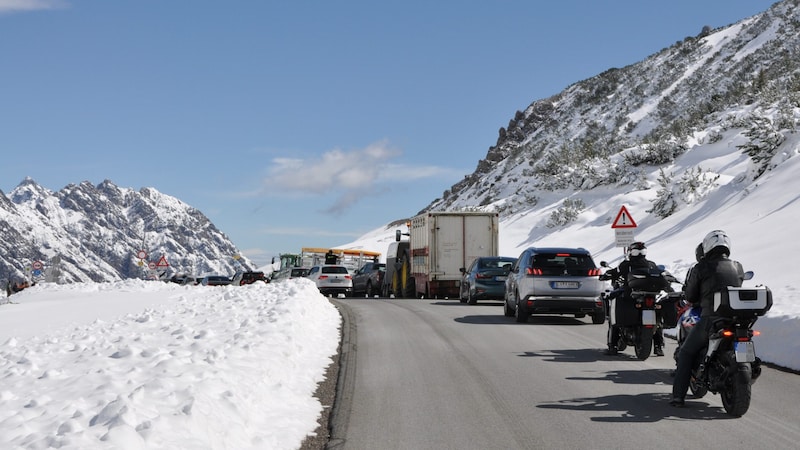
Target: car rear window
point(334, 269)
point(562, 263)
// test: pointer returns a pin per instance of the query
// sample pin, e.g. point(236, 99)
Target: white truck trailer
point(439, 245)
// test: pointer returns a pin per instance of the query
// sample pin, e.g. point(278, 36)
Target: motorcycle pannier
point(624, 313)
point(738, 301)
point(669, 309)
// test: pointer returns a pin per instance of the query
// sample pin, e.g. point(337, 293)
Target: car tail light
point(348, 277)
point(483, 275)
point(323, 277)
point(533, 271)
point(594, 272)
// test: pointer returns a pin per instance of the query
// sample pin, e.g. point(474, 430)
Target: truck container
point(440, 244)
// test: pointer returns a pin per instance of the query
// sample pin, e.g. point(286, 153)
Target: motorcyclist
point(711, 274)
point(635, 259)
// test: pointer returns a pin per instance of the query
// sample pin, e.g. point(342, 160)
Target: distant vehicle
point(215, 280)
point(243, 278)
point(554, 280)
point(439, 244)
point(315, 256)
point(485, 279)
point(289, 273)
point(332, 280)
point(368, 279)
point(183, 279)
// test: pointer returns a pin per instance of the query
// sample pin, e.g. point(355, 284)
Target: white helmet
point(716, 238)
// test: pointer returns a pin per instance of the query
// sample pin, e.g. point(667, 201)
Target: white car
point(332, 279)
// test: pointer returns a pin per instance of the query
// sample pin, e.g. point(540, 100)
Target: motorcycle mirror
point(749, 275)
point(603, 264)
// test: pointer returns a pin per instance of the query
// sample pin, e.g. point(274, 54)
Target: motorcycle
point(729, 366)
point(637, 318)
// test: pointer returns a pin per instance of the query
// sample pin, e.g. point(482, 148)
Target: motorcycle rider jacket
point(712, 274)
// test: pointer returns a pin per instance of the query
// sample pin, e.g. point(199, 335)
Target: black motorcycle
point(730, 365)
point(638, 317)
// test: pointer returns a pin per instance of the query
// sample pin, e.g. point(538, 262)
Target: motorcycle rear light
point(727, 333)
point(533, 271)
point(756, 333)
point(649, 302)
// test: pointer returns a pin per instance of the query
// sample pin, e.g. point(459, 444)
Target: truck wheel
point(395, 287)
point(407, 285)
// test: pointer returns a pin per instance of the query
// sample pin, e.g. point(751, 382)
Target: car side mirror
point(462, 270)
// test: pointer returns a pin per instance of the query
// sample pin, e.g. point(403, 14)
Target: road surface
point(439, 374)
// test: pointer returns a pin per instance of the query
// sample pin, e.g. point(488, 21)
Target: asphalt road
point(439, 374)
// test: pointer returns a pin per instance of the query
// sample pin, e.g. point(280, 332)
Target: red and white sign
point(151, 265)
point(141, 254)
point(37, 265)
point(623, 219)
point(162, 262)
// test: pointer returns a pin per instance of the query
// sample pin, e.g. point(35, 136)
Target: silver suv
point(554, 280)
point(332, 279)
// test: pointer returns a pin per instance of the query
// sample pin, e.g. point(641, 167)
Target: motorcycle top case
point(645, 279)
point(738, 301)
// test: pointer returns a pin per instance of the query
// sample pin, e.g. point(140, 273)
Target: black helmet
point(637, 249)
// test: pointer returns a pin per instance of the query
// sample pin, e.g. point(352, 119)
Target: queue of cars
point(542, 280)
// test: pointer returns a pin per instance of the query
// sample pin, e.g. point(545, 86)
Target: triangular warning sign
point(624, 219)
point(162, 262)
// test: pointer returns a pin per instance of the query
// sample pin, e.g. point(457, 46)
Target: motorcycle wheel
point(698, 388)
point(644, 343)
point(737, 393)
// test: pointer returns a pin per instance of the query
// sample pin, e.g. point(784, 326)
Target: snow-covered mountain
point(96, 233)
point(699, 136)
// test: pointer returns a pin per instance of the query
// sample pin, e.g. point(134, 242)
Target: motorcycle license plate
point(648, 317)
point(745, 351)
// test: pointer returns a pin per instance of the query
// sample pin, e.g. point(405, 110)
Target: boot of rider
point(658, 342)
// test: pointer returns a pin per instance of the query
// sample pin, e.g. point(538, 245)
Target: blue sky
point(293, 124)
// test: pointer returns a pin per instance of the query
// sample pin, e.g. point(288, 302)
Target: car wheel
point(507, 311)
point(461, 297)
point(598, 318)
point(520, 314)
point(471, 298)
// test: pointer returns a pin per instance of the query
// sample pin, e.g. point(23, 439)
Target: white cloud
point(11, 6)
point(346, 175)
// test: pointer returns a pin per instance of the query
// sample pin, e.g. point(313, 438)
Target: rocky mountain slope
point(739, 83)
point(96, 233)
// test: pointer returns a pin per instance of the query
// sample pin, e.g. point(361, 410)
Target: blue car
point(485, 279)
